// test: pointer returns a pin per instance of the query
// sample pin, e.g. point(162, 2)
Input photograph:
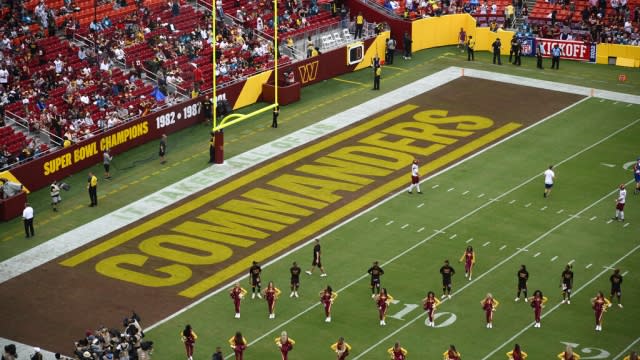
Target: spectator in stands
point(359, 25)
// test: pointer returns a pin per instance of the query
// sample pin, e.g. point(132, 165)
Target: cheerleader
point(285, 344)
point(632, 356)
point(489, 305)
point(237, 293)
point(537, 303)
point(516, 353)
point(238, 343)
point(397, 352)
point(469, 258)
point(188, 337)
point(430, 303)
point(271, 294)
point(452, 353)
point(382, 301)
point(341, 348)
point(599, 305)
point(327, 297)
point(568, 354)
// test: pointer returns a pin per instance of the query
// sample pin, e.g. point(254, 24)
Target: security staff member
point(391, 50)
point(539, 52)
point(512, 50)
point(92, 186)
point(471, 44)
point(276, 113)
point(497, 45)
point(518, 52)
point(212, 149)
point(555, 57)
point(27, 218)
point(376, 77)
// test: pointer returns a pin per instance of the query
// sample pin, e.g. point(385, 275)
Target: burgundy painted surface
point(13, 206)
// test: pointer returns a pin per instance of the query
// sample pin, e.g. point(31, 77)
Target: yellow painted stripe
point(219, 191)
point(334, 217)
point(9, 176)
point(349, 81)
point(252, 89)
point(377, 48)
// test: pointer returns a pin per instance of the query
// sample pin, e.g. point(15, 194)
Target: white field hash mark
point(404, 226)
point(536, 176)
point(494, 267)
point(512, 201)
point(453, 236)
point(487, 243)
point(374, 219)
point(435, 186)
point(543, 208)
point(554, 258)
point(588, 266)
point(548, 312)
point(625, 225)
point(421, 229)
point(420, 205)
point(536, 254)
point(469, 240)
point(502, 247)
point(451, 189)
point(389, 223)
point(572, 261)
point(481, 195)
point(560, 211)
point(593, 218)
point(466, 192)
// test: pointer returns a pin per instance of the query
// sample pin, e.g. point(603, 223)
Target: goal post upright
point(232, 119)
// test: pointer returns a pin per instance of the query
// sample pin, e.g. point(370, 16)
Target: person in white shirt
point(59, 65)
point(620, 201)
point(4, 76)
point(415, 177)
point(549, 178)
point(27, 218)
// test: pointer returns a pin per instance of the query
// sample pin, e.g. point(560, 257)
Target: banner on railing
point(41, 172)
point(570, 50)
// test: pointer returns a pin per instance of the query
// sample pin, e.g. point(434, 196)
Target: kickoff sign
point(572, 50)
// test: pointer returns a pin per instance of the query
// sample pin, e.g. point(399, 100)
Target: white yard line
point(626, 350)
point(548, 312)
point(493, 268)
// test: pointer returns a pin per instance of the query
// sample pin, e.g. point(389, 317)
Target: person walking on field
point(377, 72)
point(391, 50)
point(106, 162)
point(27, 218)
point(555, 57)
point(162, 150)
point(276, 113)
point(92, 186)
point(317, 262)
point(415, 177)
point(471, 44)
point(54, 191)
point(188, 337)
point(549, 178)
point(620, 201)
point(497, 45)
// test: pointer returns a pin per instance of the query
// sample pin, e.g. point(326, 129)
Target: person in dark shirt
point(566, 283)
point(616, 283)
point(523, 277)
point(375, 271)
point(447, 272)
point(496, 45)
point(317, 262)
point(254, 275)
point(295, 279)
point(218, 354)
point(162, 150)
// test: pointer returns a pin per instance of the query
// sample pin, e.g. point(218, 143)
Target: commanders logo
point(308, 72)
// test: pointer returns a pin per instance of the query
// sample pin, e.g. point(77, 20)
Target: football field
point(492, 201)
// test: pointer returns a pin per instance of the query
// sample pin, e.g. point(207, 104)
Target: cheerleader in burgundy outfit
point(430, 303)
point(188, 337)
point(537, 303)
point(238, 343)
point(382, 301)
point(285, 344)
point(271, 294)
point(489, 305)
point(599, 305)
point(327, 297)
point(237, 293)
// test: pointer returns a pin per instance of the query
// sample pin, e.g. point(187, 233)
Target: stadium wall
point(41, 172)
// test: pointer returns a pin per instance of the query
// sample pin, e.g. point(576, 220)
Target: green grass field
point(493, 202)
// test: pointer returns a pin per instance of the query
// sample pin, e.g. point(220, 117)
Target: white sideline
point(546, 313)
point(122, 217)
point(494, 267)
